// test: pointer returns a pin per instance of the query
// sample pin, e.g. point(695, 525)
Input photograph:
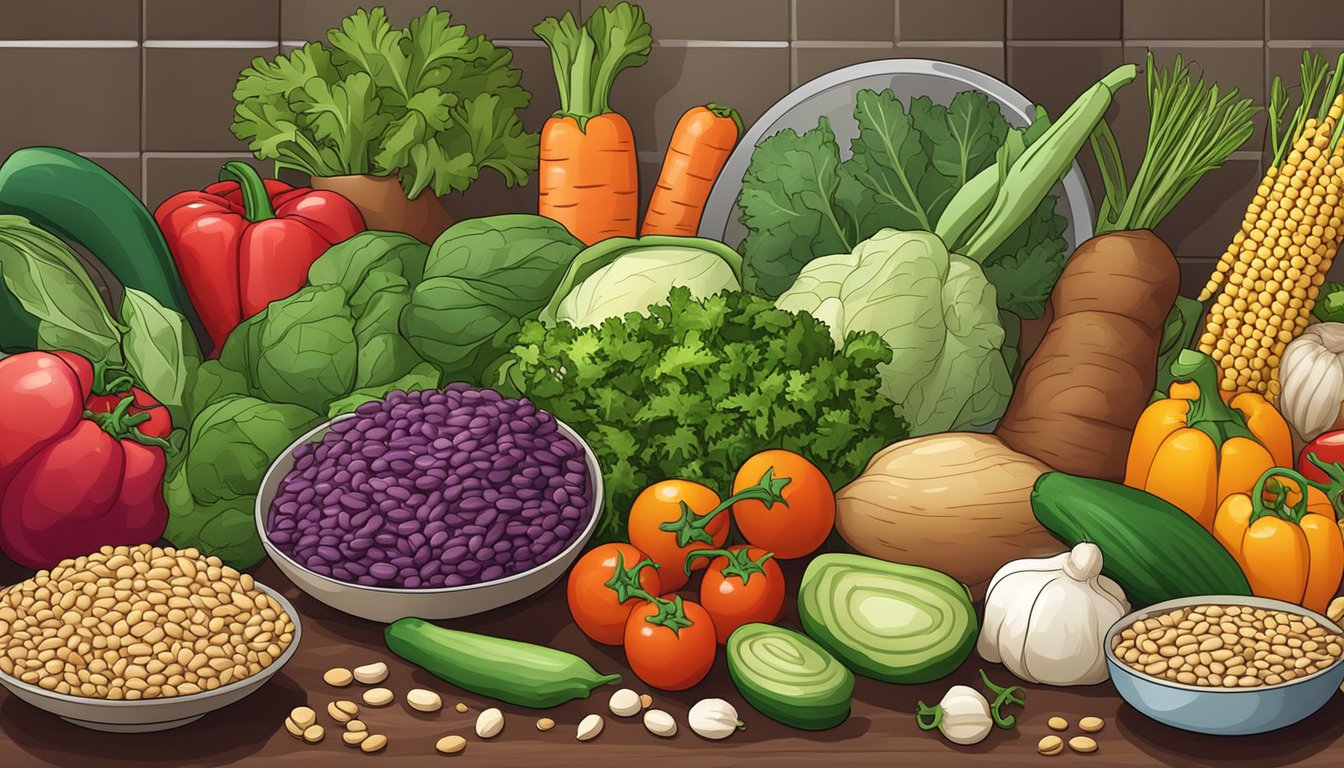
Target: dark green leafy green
point(696, 387)
point(799, 201)
point(483, 277)
point(1329, 304)
point(428, 103)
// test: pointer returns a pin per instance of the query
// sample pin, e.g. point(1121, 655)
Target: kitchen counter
point(881, 730)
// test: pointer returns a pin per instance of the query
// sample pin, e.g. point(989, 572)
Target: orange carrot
point(701, 143)
point(589, 179)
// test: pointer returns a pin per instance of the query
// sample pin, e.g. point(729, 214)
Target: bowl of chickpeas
point(1226, 665)
point(138, 639)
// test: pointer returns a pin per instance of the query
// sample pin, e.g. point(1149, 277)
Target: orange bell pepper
point(1286, 551)
point(1194, 450)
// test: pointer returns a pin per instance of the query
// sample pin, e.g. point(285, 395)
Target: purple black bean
point(433, 489)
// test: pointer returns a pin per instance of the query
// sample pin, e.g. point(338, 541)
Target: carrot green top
point(588, 58)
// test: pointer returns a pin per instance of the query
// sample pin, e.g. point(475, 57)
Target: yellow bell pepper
point(1286, 551)
point(1194, 450)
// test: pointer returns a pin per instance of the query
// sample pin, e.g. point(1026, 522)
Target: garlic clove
point(714, 719)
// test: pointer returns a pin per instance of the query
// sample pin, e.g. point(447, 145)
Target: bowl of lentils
point(434, 503)
point(1226, 665)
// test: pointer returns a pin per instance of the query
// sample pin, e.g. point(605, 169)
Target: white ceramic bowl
point(388, 604)
point(147, 715)
point(1223, 711)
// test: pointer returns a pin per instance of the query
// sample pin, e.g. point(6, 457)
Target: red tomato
point(597, 584)
point(40, 400)
point(743, 585)
point(660, 504)
point(796, 528)
point(664, 657)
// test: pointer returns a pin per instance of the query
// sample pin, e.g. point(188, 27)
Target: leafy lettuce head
point(622, 275)
point(935, 310)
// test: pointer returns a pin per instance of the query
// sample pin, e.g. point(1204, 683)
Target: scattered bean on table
point(590, 727)
point(1057, 724)
point(378, 697)
point(545, 724)
point(422, 700)
point(1091, 724)
point(489, 723)
point(1083, 744)
point(1228, 646)
point(343, 711)
point(338, 677)
point(374, 743)
point(1050, 745)
point(313, 734)
point(371, 674)
point(451, 745)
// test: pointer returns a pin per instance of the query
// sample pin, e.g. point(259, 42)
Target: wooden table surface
point(881, 730)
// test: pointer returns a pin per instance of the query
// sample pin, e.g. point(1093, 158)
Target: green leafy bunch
point(800, 201)
point(696, 387)
point(428, 103)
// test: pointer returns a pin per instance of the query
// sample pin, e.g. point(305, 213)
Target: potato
point(959, 502)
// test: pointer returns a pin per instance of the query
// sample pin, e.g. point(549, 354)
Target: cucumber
point(511, 671)
point(1152, 549)
point(888, 621)
point(789, 678)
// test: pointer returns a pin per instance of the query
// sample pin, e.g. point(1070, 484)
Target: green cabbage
point(622, 275)
point(934, 309)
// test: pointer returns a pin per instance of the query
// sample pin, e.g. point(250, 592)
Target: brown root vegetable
point(1080, 394)
point(959, 502)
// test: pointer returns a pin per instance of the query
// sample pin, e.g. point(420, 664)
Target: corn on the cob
point(1272, 271)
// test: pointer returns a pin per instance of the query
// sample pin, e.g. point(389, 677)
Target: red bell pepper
point(81, 466)
point(242, 243)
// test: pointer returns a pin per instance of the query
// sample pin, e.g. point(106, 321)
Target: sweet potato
point(1081, 392)
point(959, 502)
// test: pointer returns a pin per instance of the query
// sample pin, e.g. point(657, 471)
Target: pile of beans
point(1228, 646)
point(433, 489)
point(139, 623)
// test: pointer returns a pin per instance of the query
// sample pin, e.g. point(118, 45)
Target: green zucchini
point(891, 622)
point(1152, 549)
point(508, 670)
point(79, 201)
point(789, 678)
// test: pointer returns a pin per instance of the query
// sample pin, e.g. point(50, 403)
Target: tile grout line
point(793, 46)
point(144, 169)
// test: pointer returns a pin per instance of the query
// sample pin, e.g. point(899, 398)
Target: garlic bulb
point(1311, 380)
point(963, 716)
point(1045, 619)
point(714, 719)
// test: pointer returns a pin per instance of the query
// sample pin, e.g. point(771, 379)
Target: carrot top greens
point(587, 58)
point(1192, 129)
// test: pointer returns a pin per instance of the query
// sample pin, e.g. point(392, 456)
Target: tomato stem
point(690, 527)
point(625, 581)
point(739, 564)
point(671, 614)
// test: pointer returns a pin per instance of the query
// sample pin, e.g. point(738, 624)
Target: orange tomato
point(790, 530)
point(744, 587)
point(665, 657)
point(659, 505)
point(596, 584)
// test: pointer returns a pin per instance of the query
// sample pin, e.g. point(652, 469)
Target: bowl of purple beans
point(436, 504)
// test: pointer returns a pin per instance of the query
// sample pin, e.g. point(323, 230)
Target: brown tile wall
point(144, 86)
